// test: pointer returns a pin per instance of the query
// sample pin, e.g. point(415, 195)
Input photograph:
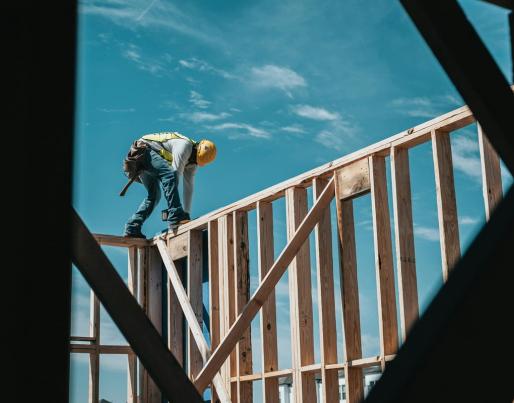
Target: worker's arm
point(188, 186)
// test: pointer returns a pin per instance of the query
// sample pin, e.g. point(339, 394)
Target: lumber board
point(349, 297)
point(242, 295)
point(491, 173)
point(388, 325)
point(214, 289)
point(194, 293)
point(131, 378)
point(176, 317)
point(94, 357)
point(267, 285)
point(266, 255)
point(404, 238)
point(446, 203)
point(115, 240)
point(326, 299)
point(353, 179)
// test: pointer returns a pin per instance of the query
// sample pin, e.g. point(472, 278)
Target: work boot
point(134, 234)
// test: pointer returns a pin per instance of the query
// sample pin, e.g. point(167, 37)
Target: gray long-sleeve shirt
point(181, 150)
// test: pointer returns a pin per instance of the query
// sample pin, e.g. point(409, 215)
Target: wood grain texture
point(404, 239)
point(266, 255)
point(388, 324)
point(94, 356)
point(349, 298)
point(300, 300)
point(491, 173)
point(353, 179)
point(446, 204)
point(214, 290)
point(194, 293)
point(242, 295)
point(326, 299)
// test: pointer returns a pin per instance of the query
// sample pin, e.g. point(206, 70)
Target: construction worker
point(167, 156)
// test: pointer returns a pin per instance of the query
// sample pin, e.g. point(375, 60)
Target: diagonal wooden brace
point(265, 288)
point(191, 317)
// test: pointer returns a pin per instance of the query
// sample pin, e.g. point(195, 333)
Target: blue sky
point(281, 87)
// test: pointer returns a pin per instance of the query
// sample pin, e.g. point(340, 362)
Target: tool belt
point(134, 163)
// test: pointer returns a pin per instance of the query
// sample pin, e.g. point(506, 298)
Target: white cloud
point(114, 110)
point(133, 54)
point(425, 107)
point(204, 116)
point(311, 112)
point(197, 100)
point(138, 14)
point(243, 128)
point(272, 76)
point(293, 129)
point(467, 220)
point(201, 65)
point(330, 139)
point(466, 158)
point(427, 233)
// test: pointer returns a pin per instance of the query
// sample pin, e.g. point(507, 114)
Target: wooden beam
point(404, 238)
point(176, 316)
point(214, 290)
point(194, 293)
point(349, 298)
point(326, 300)
point(446, 204)
point(265, 253)
point(353, 179)
point(267, 285)
point(242, 294)
point(190, 315)
point(178, 246)
point(491, 173)
point(128, 316)
point(300, 300)
point(121, 241)
point(131, 358)
point(386, 297)
point(154, 310)
point(94, 356)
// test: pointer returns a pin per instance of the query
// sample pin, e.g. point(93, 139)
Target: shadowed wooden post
point(388, 324)
point(131, 358)
point(94, 356)
point(446, 204)
point(491, 173)
point(404, 238)
point(349, 291)
point(300, 297)
point(265, 251)
point(214, 290)
point(242, 294)
point(142, 287)
point(194, 292)
point(154, 309)
point(326, 301)
point(176, 317)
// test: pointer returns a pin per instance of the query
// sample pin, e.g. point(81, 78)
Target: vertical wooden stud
point(491, 173)
point(94, 356)
point(131, 358)
point(404, 238)
point(214, 290)
point(194, 292)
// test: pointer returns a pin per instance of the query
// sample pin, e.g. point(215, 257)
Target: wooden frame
point(227, 362)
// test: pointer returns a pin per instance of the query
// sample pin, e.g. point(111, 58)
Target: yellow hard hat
point(205, 152)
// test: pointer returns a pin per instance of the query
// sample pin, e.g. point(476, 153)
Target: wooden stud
point(175, 316)
point(94, 356)
point(154, 310)
point(353, 179)
point(326, 300)
point(386, 297)
point(300, 300)
point(404, 238)
point(214, 290)
point(242, 294)
point(267, 285)
point(446, 204)
point(194, 292)
point(349, 298)
point(227, 313)
point(265, 253)
point(142, 284)
point(178, 246)
point(131, 358)
point(491, 173)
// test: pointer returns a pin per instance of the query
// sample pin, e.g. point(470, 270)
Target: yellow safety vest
point(165, 136)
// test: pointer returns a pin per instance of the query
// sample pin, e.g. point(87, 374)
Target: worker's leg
point(151, 183)
point(169, 181)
